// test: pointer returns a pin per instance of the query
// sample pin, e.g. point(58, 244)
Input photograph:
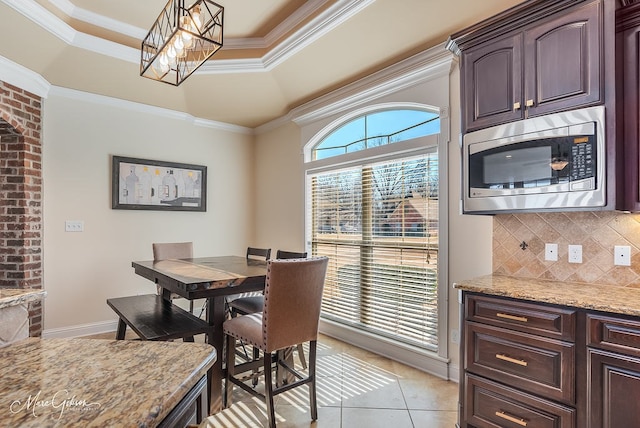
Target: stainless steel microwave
point(545, 163)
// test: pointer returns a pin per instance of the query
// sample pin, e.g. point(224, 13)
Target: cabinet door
point(562, 61)
point(629, 93)
point(614, 388)
point(492, 83)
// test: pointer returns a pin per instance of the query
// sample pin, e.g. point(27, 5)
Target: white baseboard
point(98, 327)
point(81, 330)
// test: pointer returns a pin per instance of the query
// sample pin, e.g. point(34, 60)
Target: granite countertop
point(97, 383)
point(18, 296)
point(607, 298)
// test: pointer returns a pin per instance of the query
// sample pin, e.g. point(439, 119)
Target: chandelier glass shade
point(181, 40)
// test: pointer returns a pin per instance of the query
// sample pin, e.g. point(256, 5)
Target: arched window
point(373, 209)
point(377, 129)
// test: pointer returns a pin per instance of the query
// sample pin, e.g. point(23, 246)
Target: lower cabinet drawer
point(489, 405)
point(613, 333)
point(534, 364)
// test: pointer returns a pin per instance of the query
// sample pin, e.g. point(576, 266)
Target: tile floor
point(356, 389)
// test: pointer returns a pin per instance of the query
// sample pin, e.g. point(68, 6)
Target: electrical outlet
point(551, 252)
point(455, 336)
point(575, 253)
point(622, 255)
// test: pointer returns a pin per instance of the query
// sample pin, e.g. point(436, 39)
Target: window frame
point(437, 361)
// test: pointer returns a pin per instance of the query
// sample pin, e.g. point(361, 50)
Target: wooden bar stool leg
point(122, 329)
point(268, 390)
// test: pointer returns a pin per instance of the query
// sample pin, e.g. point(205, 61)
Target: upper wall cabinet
point(628, 98)
point(534, 59)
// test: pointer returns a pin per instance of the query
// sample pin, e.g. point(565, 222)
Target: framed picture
point(144, 184)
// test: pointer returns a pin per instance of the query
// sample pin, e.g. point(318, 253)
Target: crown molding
point(427, 65)
point(335, 15)
point(145, 108)
point(318, 27)
point(48, 21)
point(80, 14)
point(22, 77)
point(281, 30)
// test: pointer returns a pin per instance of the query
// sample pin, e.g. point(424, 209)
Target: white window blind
point(378, 224)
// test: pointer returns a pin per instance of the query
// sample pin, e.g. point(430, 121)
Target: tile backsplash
point(598, 232)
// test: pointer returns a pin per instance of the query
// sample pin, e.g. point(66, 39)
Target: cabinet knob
point(529, 103)
point(516, 105)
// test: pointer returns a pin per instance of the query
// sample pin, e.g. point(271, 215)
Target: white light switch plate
point(551, 252)
point(74, 226)
point(622, 255)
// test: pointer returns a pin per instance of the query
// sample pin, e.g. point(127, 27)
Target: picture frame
point(145, 184)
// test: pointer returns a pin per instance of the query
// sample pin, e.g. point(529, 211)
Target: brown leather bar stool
point(292, 301)
point(252, 304)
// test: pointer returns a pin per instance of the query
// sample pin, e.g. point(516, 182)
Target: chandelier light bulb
point(197, 18)
point(171, 52)
point(188, 40)
point(178, 44)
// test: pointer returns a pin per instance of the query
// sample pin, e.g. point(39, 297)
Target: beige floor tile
point(436, 394)
point(297, 417)
point(372, 393)
point(376, 418)
point(433, 419)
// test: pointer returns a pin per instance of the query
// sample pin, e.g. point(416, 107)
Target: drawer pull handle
point(511, 317)
point(512, 360)
point(518, 421)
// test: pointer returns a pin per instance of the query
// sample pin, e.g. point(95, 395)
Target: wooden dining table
point(211, 278)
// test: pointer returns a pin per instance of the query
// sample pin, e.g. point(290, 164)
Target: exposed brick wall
point(21, 195)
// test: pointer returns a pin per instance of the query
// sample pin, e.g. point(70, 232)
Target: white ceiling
point(277, 54)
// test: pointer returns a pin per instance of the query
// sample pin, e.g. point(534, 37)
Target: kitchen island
point(102, 383)
point(14, 313)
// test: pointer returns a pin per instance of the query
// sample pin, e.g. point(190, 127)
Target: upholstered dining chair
point(262, 254)
point(255, 303)
point(173, 250)
point(292, 301)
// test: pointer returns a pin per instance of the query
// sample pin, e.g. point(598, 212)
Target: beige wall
point(279, 189)
point(81, 270)
point(469, 235)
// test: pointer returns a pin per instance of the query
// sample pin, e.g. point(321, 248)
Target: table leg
point(215, 317)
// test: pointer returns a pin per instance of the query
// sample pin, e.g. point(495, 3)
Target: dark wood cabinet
point(614, 371)
point(492, 81)
point(628, 99)
point(519, 364)
point(538, 365)
point(548, 66)
point(563, 60)
point(497, 405)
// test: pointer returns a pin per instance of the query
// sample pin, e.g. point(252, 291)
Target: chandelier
point(181, 40)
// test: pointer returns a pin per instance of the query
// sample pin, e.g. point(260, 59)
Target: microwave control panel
point(582, 155)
